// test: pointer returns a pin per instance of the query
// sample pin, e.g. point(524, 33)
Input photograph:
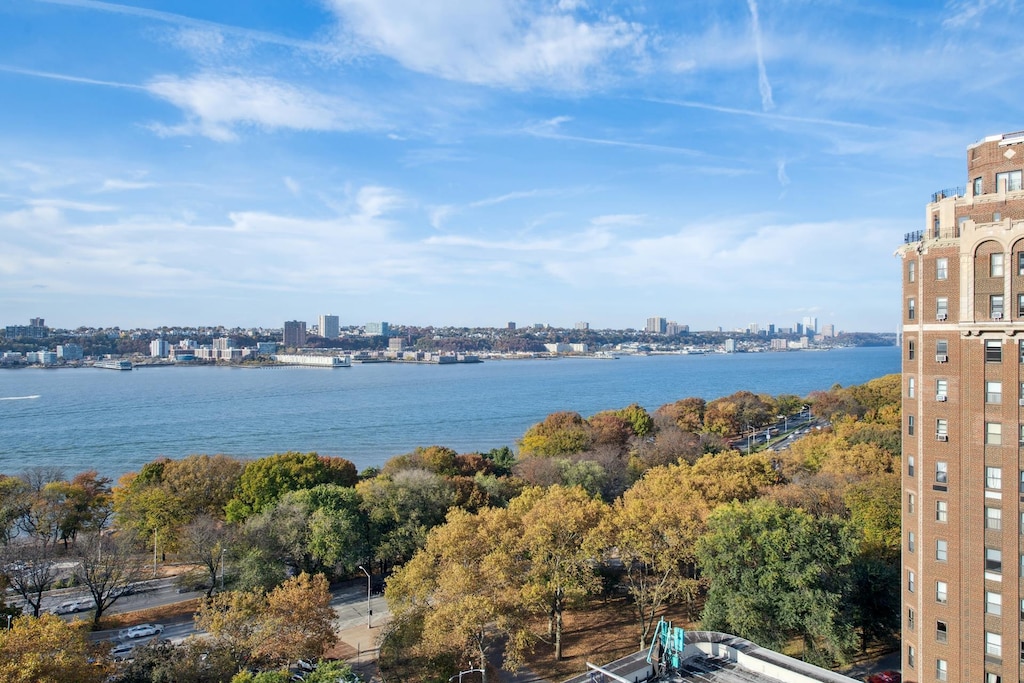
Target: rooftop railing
point(948, 192)
point(911, 237)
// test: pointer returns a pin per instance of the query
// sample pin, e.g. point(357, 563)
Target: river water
point(115, 422)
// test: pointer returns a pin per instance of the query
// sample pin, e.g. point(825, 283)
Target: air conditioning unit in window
point(998, 315)
point(940, 316)
point(941, 398)
point(941, 358)
point(942, 437)
point(1020, 401)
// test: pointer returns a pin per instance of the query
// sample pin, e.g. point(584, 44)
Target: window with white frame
point(910, 425)
point(912, 503)
point(993, 433)
point(993, 603)
point(1020, 305)
point(941, 347)
point(993, 518)
point(910, 541)
point(994, 560)
point(941, 511)
point(995, 306)
point(910, 349)
point(911, 308)
point(941, 472)
point(941, 592)
point(910, 656)
point(976, 186)
point(995, 265)
point(942, 428)
point(942, 387)
point(911, 581)
point(1009, 181)
point(941, 632)
point(910, 618)
point(910, 465)
point(994, 478)
point(991, 677)
point(941, 670)
point(941, 308)
point(910, 387)
point(941, 268)
point(993, 392)
point(911, 271)
point(941, 550)
point(993, 644)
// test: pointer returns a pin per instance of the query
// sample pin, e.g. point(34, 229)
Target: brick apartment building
point(963, 433)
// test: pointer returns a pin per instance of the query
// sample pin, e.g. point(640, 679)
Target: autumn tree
point(777, 573)
point(106, 565)
point(686, 413)
point(560, 433)
point(29, 570)
point(558, 540)
point(47, 650)
point(196, 660)
point(204, 541)
point(294, 620)
point(462, 590)
point(736, 412)
point(653, 529)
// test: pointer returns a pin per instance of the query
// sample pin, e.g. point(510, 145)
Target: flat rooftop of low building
point(713, 657)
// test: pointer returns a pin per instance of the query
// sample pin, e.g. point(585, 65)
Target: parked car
point(885, 677)
point(140, 631)
point(122, 651)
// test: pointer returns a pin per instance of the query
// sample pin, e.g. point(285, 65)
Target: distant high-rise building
point(37, 322)
point(963, 433)
point(730, 346)
point(328, 325)
point(36, 329)
point(69, 352)
point(511, 327)
point(377, 329)
point(294, 334)
point(828, 330)
point(582, 326)
point(159, 348)
point(672, 328)
point(221, 343)
point(810, 324)
point(656, 326)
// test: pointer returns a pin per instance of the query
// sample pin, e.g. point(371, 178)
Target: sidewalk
point(357, 645)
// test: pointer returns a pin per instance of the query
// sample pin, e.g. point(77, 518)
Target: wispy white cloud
point(781, 172)
point(216, 105)
point(491, 42)
point(969, 12)
point(551, 128)
point(293, 185)
point(763, 85)
point(71, 205)
point(210, 27)
point(119, 185)
point(67, 78)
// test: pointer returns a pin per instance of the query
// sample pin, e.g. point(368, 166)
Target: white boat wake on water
point(19, 398)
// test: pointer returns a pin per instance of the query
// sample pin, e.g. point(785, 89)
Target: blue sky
point(715, 162)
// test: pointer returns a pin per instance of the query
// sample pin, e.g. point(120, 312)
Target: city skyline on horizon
point(556, 160)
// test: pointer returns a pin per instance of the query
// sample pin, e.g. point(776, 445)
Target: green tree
point(776, 573)
point(265, 480)
point(402, 509)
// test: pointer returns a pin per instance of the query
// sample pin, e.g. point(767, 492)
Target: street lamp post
point(8, 622)
point(785, 423)
point(467, 671)
point(369, 613)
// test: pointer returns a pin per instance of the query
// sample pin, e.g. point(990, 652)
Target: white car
point(140, 631)
point(74, 606)
point(122, 652)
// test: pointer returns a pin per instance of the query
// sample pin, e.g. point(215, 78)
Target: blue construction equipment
point(667, 646)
